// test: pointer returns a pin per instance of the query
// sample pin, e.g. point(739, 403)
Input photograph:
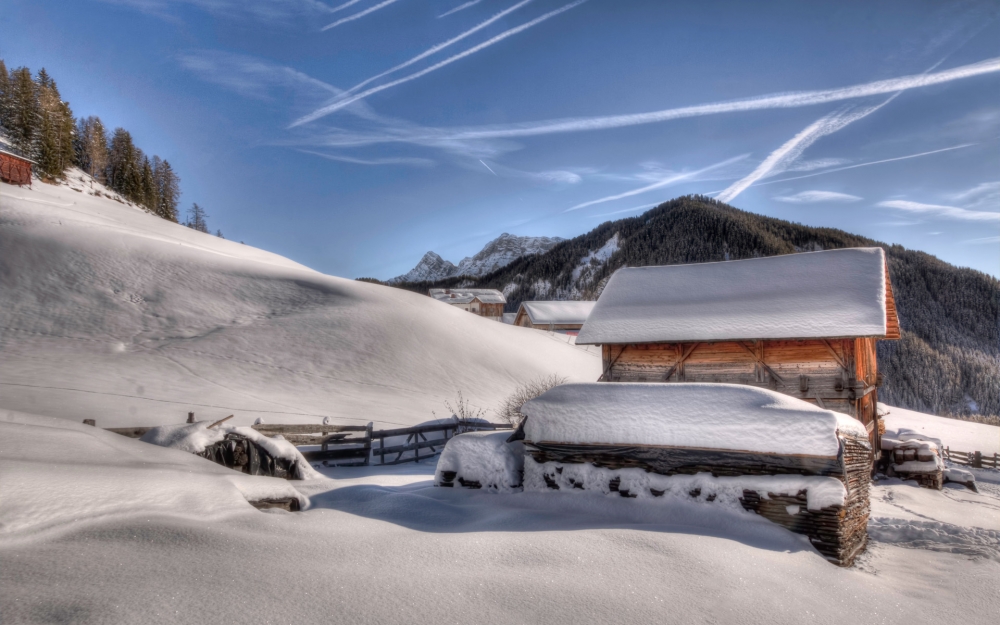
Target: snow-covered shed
point(483, 302)
point(15, 169)
point(801, 324)
point(564, 317)
point(803, 467)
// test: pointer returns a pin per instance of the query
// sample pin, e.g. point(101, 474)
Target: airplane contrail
point(488, 167)
point(657, 185)
point(438, 47)
point(330, 108)
point(460, 7)
point(784, 100)
point(358, 15)
point(885, 160)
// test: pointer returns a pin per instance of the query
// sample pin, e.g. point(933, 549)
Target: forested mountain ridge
point(947, 362)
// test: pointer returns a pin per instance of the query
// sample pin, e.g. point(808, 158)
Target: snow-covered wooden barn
point(15, 169)
point(483, 302)
point(563, 317)
point(802, 324)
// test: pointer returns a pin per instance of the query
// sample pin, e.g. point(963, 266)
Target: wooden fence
point(353, 445)
point(974, 459)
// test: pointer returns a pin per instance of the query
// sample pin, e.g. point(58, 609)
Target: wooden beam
point(680, 361)
point(761, 362)
point(613, 361)
point(836, 356)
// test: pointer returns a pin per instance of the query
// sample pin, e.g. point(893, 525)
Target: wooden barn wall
point(818, 371)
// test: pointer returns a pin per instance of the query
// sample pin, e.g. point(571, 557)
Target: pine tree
point(23, 114)
point(167, 186)
point(4, 95)
point(148, 187)
point(197, 219)
point(124, 168)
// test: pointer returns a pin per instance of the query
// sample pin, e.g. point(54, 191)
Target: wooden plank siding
point(837, 374)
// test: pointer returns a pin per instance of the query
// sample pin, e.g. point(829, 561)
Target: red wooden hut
point(15, 169)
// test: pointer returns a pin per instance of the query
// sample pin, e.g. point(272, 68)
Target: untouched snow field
point(117, 315)
point(112, 314)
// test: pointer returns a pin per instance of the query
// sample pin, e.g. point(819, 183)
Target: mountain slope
point(496, 254)
point(948, 361)
point(111, 313)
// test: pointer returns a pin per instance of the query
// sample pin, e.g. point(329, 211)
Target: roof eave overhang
point(729, 340)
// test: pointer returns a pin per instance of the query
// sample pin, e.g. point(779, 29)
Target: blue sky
point(353, 136)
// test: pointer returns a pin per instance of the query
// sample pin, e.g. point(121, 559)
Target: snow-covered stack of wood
point(798, 465)
point(801, 324)
point(910, 455)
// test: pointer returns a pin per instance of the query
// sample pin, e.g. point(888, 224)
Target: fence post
point(190, 417)
point(977, 460)
point(416, 450)
point(368, 443)
point(381, 449)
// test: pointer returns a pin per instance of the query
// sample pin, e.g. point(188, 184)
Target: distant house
point(563, 317)
point(802, 324)
point(487, 303)
point(15, 169)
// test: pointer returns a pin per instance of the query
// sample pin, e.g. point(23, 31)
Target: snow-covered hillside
point(498, 253)
point(114, 314)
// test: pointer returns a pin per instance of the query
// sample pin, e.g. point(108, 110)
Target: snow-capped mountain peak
point(498, 253)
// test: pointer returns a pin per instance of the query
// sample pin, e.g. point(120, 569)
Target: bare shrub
point(510, 408)
point(463, 409)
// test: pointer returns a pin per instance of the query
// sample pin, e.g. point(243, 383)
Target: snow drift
point(114, 314)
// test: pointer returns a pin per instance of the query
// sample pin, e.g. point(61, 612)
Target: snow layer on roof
point(464, 296)
point(836, 293)
point(558, 312)
point(712, 416)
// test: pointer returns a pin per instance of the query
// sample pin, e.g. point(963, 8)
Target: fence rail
point(353, 445)
point(974, 459)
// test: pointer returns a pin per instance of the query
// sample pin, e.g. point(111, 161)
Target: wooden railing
point(974, 459)
point(353, 445)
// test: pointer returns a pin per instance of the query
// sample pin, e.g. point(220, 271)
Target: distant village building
point(562, 317)
point(487, 303)
point(802, 324)
point(15, 169)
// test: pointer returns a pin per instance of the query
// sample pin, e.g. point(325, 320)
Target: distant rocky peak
point(496, 254)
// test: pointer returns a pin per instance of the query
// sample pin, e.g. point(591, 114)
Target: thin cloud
point(460, 7)
point(938, 210)
point(885, 160)
point(359, 14)
point(441, 46)
point(669, 180)
point(326, 110)
point(403, 160)
point(347, 4)
point(983, 240)
point(984, 195)
point(784, 100)
point(814, 197)
point(782, 158)
point(488, 167)
point(626, 210)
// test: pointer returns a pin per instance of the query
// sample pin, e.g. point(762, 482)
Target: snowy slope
point(498, 253)
point(114, 314)
point(958, 435)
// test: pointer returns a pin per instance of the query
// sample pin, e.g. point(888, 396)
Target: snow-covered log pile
point(482, 460)
point(803, 467)
point(241, 448)
point(910, 455)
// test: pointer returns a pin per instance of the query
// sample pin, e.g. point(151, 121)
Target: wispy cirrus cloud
point(267, 10)
point(460, 7)
point(336, 106)
point(938, 210)
point(815, 197)
point(359, 14)
point(984, 195)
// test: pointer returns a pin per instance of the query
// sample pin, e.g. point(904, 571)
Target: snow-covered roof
point(557, 313)
point(464, 296)
point(18, 156)
point(698, 415)
point(835, 293)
